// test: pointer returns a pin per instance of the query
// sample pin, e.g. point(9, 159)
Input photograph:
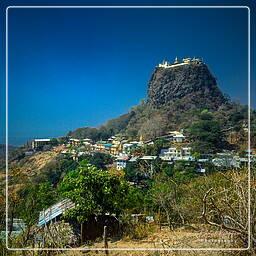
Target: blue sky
point(70, 68)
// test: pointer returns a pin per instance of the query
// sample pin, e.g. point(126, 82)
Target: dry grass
point(39, 160)
point(159, 243)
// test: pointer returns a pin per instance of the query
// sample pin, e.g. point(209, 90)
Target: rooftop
point(176, 63)
point(42, 139)
point(54, 211)
point(148, 157)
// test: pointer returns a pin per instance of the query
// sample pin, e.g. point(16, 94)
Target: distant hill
point(13, 152)
point(175, 98)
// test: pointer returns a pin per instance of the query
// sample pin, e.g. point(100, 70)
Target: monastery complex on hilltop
point(176, 63)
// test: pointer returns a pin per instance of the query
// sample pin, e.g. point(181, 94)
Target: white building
point(39, 143)
point(121, 162)
point(128, 146)
point(176, 153)
point(87, 141)
point(226, 160)
point(176, 63)
point(74, 142)
point(177, 136)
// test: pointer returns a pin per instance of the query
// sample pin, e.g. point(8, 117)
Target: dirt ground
point(165, 242)
point(39, 160)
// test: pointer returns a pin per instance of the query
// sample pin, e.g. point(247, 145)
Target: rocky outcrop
point(177, 93)
point(191, 83)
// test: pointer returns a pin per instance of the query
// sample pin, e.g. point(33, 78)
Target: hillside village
point(177, 148)
point(174, 145)
point(143, 173)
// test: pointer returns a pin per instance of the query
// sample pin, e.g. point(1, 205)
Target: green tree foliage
point(55, 170)
point(113, 126)
point(132, 133)
point(133, 173)
point(94, 191)
point(206, 115)
point(168, 168)
point(153, 149)
point(206, 136)
point(236, 117)
point(47, 147)
point(89, 132)
point(142, 172)
point(119, 124)
point(182, 172)
point(99, 160)
point(135, 200)
point(67, 165)
point(13, 153)
point(37, 198)
point(54, 142)
point(63, 140)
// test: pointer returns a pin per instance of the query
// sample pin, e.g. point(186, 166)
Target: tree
point(67, 165)
point(63, 140)
point(226, 207)
point(153, 127)
point(206, 115)
point(132, 172)
point(47, 147)
point(135, 200)
point(17, 180)
point(25, 199)
point(164, 194)
point(117, 125)
point(132, 132)
point(206, 136)
point(100, 160)
point(37, 197)
point(236, 117)
point(54, 142)
point(94, 191)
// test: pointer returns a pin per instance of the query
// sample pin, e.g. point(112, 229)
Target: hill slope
point(176, 95)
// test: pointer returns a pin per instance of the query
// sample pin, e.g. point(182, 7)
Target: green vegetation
point(100, 160)
point(55, 170)
point(172, 192)
point(38, 197)
point(13, 153)
point(206, 135)
point(89, 132)
point(153, 149)
point(154, 122)
point(54, 142)
point(94, 191)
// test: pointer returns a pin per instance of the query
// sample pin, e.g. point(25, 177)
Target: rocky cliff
point(189, 83)
point(177, 94)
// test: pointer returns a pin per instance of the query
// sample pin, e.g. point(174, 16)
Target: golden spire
point(141, 138)
point(176, 60)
